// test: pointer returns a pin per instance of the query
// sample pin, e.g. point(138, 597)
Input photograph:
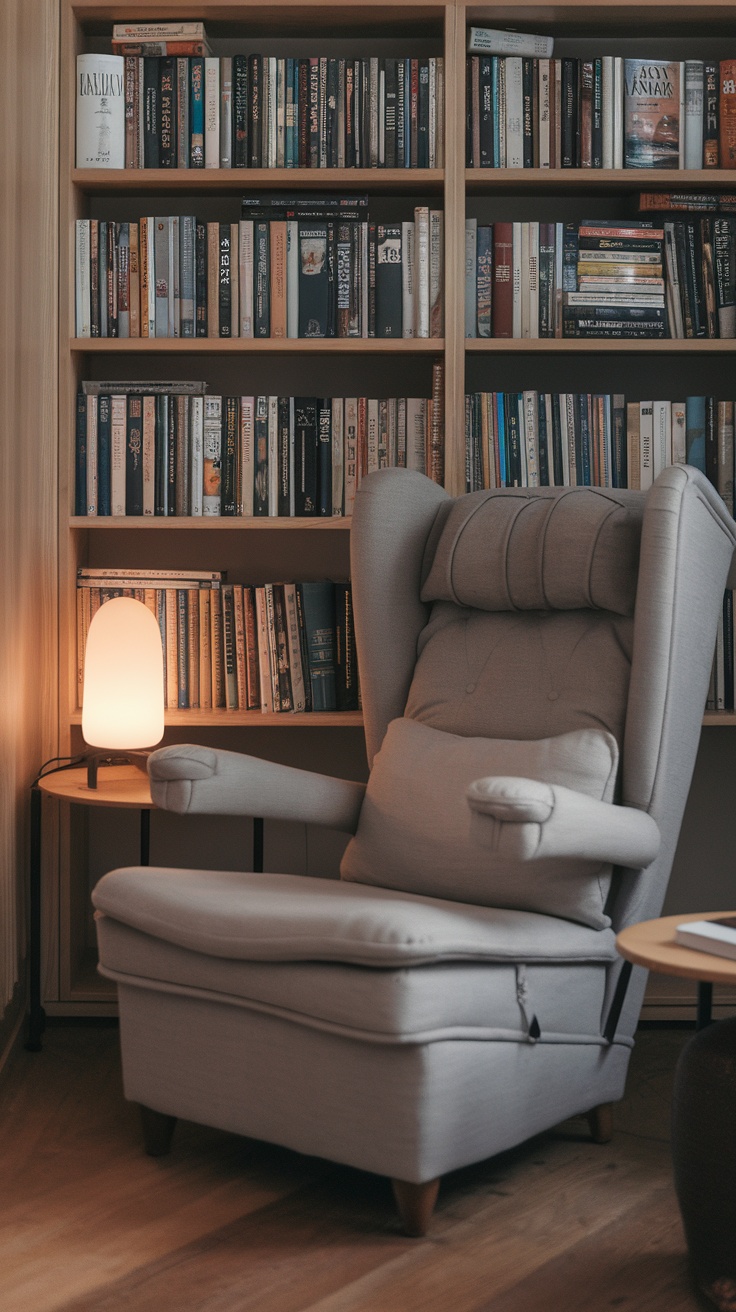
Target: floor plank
point(223, 1224)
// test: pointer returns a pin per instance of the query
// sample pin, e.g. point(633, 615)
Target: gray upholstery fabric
point(416, 829)
point(262, 917)
point(427, 1004)
point(550, 548)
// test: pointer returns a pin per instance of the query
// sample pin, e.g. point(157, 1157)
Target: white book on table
point(717, 936)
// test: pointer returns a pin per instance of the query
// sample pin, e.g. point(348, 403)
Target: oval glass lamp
point(123, 699)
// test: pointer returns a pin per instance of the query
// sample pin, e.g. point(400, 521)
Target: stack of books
point(171, 449)
point(279, 647)
point(177, 106)
point(294, 267)
point(620, 288)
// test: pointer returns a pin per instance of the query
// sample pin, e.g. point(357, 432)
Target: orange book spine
point(727, 114)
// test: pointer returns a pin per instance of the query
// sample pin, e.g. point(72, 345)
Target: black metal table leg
point(258, 844)
point(145, 836)
point(705, 1005)
point(37, 1019)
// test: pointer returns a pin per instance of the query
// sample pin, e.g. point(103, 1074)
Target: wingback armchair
point(534, 666)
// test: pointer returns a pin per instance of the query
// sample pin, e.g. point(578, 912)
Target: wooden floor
point(228, 1225)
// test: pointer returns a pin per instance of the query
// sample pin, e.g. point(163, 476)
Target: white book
point(545, 118)
point(212, 112)
point(91, 455)
point(234, 281)
point(516, 256)
point(292, 278)
point(371, 435)
point(559, 256)
point(151, 259)
point(661, 436)
point(550, 438)
point(82, 287)
point(514, 113)
point(693, 121)
point(646, 435)
point(524, 289)
point(118, 433)
point(533, 279)
point(471, 277)
point(351, 452)
point(436, 261)
point(174, 279)
point(100, 112)
point(522, 439)
point(416, 433)
point(608, 102)
point(407, 279)
point(681, 151)
point(679, 433)
point(196, 465)
point(401, 433)
point(246, 460)
point(439, 114)
point(532, 439)
point(151, 32)
point(212, 455)
point(226, 112)
point(421, 228)
point(716, 936)
point(338, 454)
point(148, 455)
point(392, 433)
point(245, 276)
point(296, 671)
point(564, 444)
point(635, 297)
point(492, 41)
point(273, 455)
point(618, 112)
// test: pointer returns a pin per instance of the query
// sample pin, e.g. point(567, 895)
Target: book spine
point(711, 127)
point(211, 113)
point(100, 88)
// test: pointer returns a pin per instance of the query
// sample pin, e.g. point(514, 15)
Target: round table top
point(652, 943)
point(117, 785)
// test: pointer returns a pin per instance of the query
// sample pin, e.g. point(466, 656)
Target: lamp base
point(96, 759)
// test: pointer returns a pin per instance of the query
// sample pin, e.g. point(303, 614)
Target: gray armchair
point(534, 666)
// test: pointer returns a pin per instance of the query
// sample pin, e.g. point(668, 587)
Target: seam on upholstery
point(591, 559)
point(543, 549)
point(451, 562)
point(506, 544)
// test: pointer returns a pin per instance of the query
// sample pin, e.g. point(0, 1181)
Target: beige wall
point(28, 352)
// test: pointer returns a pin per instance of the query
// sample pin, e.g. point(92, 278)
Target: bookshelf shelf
point(204, 523)
point(598, 346)
point(135, 182)
point(257, 719)
point(256, 346)
point(596, 181)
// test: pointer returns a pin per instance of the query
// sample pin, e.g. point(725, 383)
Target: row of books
point(329, 275)
point(604, 113)
point(258, 111)
point(589, 279)
point(279, 647)
point(551, 439)
point(160, 449)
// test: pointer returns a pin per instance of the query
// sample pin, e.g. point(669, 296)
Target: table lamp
point(123, 698)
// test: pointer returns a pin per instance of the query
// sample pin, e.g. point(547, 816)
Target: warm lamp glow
point(123, 705)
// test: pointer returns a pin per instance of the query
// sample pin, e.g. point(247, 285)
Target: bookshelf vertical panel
point(454, 54)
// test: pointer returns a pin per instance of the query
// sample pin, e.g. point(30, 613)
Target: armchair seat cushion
point(263, 917)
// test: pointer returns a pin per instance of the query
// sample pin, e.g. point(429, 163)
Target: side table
point(117, 785)
point(704, 1109)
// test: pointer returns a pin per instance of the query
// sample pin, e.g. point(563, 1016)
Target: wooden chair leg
point(157, 1131)
point(600, 1123)
point(415, 1203)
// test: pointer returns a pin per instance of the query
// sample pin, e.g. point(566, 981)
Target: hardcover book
point(652, 114)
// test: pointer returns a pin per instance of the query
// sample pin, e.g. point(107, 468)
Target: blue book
point(501, 438)
point(80, 478)
point(196, 111)
point(318, 610)
point(695, 432)
point(104, 466)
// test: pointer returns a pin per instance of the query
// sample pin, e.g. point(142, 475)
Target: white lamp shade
point(123, 703)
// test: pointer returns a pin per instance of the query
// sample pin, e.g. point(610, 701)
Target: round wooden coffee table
point(704, 1109)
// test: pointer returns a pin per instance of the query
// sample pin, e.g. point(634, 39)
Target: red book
point(502, 319)
point(727, 113)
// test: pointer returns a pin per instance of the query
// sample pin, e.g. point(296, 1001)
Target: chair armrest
point(197, 780)
point(528, 820)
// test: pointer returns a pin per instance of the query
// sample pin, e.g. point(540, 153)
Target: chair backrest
point(525, 613)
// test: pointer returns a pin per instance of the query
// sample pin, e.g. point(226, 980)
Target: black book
point(200, 279)
point(314, 109)
point(513, 440)
point(331, 114)
point(711, 440)
point(528, 70)
point(597, 157)
point(557, 458)
point(182, 407)
point(112, 279)
point(305, 456)
point(262, 281)
point(303, 113)
point(314, 285)
point(349, 114)
point(324, 457)
point(303, 648)
point(318, 610)
point(725, 275)
point(544, 438)
point(390, 154)
point(582, 439)
point(285, 455)
point(569, 113)
point(161, 455)
point(134, 457)
point(260, 443)
point(728, 682)
point(225, 282)
point(694, 259)
point(546, 280)
point(619, 456)
point(172, 454)
point(255, 83)
point(283, 673)
point(686, 290)
point(710, 314)
point(151, 112)
point(104, 455)
point(487, 151)
point(388, 281)
point(168, 120)
point(241, 114)
point(423, 116)
point(711, 126)
point(346, 656)
point(80, 453)
point(229, 456)
point(371, 279)
point(631, 245)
